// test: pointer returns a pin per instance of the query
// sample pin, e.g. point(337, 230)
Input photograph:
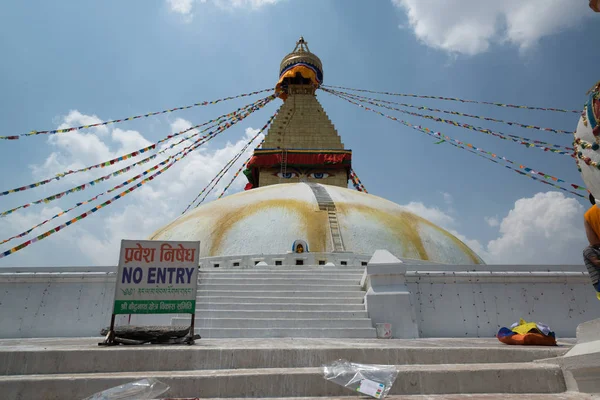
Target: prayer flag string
point(356, 182)
point(228, 165)
point(239, 171)
point(75, 128)
point(439, 135)
point(455, 99)
point(168, 165)
point(79, 188)
point(126, 169)
point(135, 153)
point(63, 174)
point(511, 123)
point(463, 125)
point(517, 171)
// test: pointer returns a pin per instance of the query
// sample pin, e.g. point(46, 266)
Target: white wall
point(478, 303)
point(75, 302)
point(448, 301)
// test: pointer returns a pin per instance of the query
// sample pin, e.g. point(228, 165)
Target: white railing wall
point(445, 300)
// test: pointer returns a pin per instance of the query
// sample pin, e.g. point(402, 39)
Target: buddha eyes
point(312, 175)
point(318, 175)
point(287, 175)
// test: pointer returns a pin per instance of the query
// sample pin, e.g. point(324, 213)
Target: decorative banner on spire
point(463, 125)
point(172, 159)
point(511, 123)
point(439, 135)
point(259, 103)
point(75, 128)
point(455, 99)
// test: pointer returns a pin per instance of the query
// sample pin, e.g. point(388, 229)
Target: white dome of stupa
point(268, 220)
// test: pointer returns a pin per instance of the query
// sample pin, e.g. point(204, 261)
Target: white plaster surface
point(581, 365)
point(272, 226)
point(449, 300)
point(388, 299)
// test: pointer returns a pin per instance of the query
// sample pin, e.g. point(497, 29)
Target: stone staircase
point(53, 369)
point(281, 302)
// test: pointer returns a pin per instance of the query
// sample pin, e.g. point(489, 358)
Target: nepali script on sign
point(157, 277)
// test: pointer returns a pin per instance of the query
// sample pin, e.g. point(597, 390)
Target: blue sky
point(115, 59)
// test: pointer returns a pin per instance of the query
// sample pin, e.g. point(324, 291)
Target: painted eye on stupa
point(318, 175)
point(287, 175)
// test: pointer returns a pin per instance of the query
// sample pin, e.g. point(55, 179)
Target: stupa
point(298, 271)
point(298, 193)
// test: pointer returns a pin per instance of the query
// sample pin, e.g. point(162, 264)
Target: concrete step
point(326, 333)
point(267, 287)
point(291, 294)
point(312, 314)
point(243, 323)
point(309, 280)
point(255, 298)
point(288, 307)
point(295, 382)
point(83, 355)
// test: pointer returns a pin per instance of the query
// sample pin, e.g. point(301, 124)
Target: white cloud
point(186, 7)
point(432, 214)
point(181, 6)
point(244, 3)
point(96, 239)
point(471, 26)
point(492, 221)
point(448, 199)
point(544, 229)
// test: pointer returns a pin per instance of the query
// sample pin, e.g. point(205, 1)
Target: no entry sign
point(157, 277)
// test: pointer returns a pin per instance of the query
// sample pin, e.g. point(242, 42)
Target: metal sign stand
point(137, 335)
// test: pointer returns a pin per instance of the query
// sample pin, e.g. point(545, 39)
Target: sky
point(72, 63)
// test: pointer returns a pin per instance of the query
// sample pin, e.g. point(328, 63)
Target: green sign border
point(153, 307)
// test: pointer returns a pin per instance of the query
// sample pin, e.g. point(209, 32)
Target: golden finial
point(301, 53)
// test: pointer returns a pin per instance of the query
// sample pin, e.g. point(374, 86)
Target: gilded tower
point(302, 145)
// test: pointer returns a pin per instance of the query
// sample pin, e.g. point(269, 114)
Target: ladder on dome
point(326, 203)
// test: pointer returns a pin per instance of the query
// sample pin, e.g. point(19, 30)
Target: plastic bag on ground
point(372, 380)
point(144, 389)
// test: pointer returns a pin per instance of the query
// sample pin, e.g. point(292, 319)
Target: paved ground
point(559, 396)
point(80, 343)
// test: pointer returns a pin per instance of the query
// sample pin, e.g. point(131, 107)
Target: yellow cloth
point(525, 327)
point(306, 73)
point(592, 216)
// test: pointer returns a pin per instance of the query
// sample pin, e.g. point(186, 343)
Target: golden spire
point(301, 53)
